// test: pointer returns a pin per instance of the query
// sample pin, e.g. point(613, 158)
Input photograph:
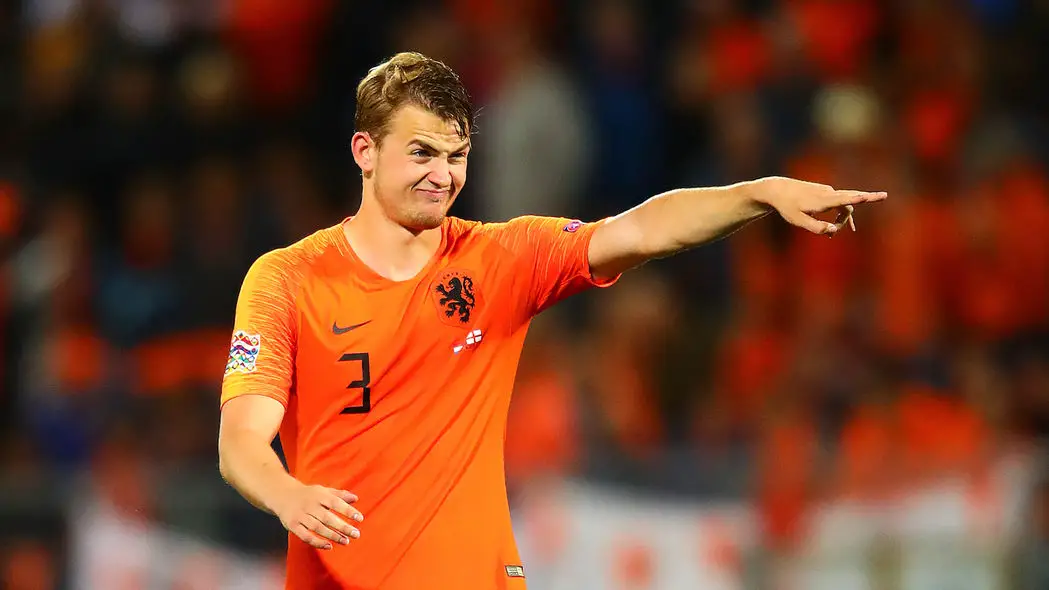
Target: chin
point(422, 221)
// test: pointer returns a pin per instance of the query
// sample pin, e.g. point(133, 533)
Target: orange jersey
point(398, 392)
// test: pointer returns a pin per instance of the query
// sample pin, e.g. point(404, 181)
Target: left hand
point(797, 201)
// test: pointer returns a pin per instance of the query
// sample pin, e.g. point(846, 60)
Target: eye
point(420, 153)
point(459, 156)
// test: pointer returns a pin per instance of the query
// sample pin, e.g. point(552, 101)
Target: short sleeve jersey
point(399, 391)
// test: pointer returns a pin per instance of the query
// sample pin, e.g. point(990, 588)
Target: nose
point(440, 173)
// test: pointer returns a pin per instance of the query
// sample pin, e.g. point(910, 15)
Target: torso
point(400, 395)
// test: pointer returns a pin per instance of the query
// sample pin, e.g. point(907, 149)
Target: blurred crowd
point(150, 150)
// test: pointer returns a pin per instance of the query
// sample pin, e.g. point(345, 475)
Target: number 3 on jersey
point(362, 383)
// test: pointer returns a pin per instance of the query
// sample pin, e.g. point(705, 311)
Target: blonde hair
point(411, 78)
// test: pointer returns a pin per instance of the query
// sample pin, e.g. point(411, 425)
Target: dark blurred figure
point(131, 129)
point(138, 287)
point(219, 245)
point(1029, 368)
point(54, 122)
point(620, 98)
point(290, 198)
point(208, 105)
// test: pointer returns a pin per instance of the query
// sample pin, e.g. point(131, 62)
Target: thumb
point(813, 225)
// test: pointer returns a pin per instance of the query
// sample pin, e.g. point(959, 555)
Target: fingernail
point(345, 540)
point(355, 534)
point(328, 546)
point(358, 517)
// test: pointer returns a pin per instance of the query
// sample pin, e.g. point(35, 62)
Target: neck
point(390, 249)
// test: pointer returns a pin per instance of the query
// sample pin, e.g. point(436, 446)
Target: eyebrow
point(427, 146)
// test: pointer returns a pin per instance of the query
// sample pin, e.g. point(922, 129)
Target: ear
point(364, 150)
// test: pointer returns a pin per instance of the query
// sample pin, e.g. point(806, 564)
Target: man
point(384, 349)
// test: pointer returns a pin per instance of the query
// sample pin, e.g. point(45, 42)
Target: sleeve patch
point(243, 351)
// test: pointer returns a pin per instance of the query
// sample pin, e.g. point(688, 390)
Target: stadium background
point(775, 410)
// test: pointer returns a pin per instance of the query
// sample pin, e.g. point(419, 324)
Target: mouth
point(435, 196)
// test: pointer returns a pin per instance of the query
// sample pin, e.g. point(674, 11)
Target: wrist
point(278, 491)
point(758, 194)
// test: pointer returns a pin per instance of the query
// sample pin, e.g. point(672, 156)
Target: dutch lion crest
point(455, 296)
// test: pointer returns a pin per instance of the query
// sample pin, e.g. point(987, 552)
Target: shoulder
point(515, 232)
point(504, 237)
point(462, 235)
point(464, 229)
point(288, 266)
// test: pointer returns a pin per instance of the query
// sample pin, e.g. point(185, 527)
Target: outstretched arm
point(681, 219)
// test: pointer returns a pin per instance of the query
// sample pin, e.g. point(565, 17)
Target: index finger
point(347, 496)
point(340, 506)
point(850, 197)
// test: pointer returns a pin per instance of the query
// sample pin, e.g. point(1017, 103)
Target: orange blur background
point(151, 149)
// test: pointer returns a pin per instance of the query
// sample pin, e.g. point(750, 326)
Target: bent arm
point(247, 462)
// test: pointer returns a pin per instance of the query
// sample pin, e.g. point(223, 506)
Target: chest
point(378, 340)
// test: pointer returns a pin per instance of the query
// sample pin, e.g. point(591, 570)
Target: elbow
point(224, 462)
point(223, 469)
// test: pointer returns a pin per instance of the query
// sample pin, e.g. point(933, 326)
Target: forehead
point(410, 122)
